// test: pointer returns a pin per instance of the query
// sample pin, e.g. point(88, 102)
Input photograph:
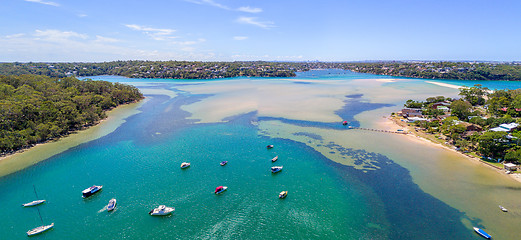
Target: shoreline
point(27, 157)
point(393, 123)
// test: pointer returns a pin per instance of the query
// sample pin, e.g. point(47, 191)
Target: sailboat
point(42, 228)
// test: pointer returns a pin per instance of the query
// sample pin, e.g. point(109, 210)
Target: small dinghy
point(276, 169)
point(269, 146)
point(39, 229)
point(220, 189)
point(344, 123)
point(275, 159)
point(503, 208)
point(283, 194)
point(112, 205)
point(185, 165)
point(33, 203)
point(162, 210)
point(482, 233)
point(223, 163)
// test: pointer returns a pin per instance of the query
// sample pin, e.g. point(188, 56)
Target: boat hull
point(39, 230)
point(166, 211)
point(86, 193)
point(482, 233)
point(112, 205)
point(222, 190)
point(33, 203)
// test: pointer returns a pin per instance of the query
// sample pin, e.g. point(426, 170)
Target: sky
point(268, 30)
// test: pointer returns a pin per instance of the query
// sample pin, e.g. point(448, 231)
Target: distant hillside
point(209, 70)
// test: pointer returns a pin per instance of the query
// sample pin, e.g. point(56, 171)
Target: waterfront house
point(411, 112)
point(416, 119)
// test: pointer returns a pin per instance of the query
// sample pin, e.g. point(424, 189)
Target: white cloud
point(240, 38)
point(209, 2)
point(17, 35)
point(43, 2)
point(82, 15)
point(101, 39)
point(52, 35)
point(213, 3)
point(249, 9)
point(255, 22)
point(155, 33)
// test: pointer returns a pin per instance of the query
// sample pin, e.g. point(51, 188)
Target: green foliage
point(413, 104)
point(38, 108)
point(513, 155)
point(493, 144)
point(474, 95)
point(461, 109)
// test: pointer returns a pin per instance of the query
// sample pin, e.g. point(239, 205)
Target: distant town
point(510, 71)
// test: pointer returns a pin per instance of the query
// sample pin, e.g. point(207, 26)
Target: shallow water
point(342, 184)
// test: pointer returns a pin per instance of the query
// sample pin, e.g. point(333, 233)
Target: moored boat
point(344, 123)
point(112, 204)
point(276, 169)
point(503, 208)
point(269, 146)
point(162, 210)
point(33, 203)
point(185, 165)
point(223, 163)
point(220, 189)
point(482, 233)
point(91, 190)
point(283, 194)
point(39, 229)
point(275, 159)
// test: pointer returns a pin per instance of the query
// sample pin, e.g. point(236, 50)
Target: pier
point(378, 130)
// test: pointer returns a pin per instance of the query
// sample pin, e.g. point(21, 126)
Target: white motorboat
point(275, 159)
point(276, 169)
point(269, 146)
point(283, 194)
point(112, 204)
point(91, 190)
point(33, 203)
point(162, 210)
point(220, 189)
point(39, 229)
point(185, 165)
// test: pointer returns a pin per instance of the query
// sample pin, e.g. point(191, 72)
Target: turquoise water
point(139, 165)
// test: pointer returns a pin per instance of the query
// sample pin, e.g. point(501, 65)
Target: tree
point(474, 95)
point(461, 109)
point(493, 144)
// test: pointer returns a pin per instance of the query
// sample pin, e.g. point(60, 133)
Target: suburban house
point(505, 127)
point(440, 104)
point(411, 112)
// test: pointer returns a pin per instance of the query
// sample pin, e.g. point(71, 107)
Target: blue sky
point(284, 30)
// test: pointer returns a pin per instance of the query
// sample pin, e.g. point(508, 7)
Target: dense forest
point(209, 70)
point(36, 108)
